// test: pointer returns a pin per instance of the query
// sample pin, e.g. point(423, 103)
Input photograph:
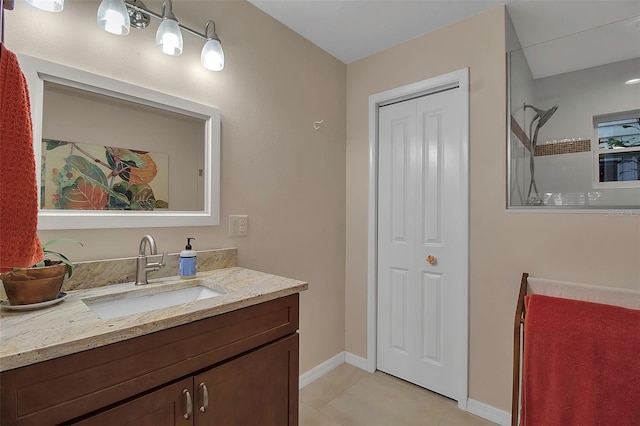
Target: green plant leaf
point(89, 170)
point(60, 240)
point(117, 203)
point(84, 195)
point(49, 253)
point(54, 144)
point(94, 174)
point(142, 197)
point(126, 155)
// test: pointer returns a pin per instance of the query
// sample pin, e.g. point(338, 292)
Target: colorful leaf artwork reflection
point(79, 176)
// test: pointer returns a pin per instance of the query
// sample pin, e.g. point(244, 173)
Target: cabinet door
point(256, 389)
point(166, 406)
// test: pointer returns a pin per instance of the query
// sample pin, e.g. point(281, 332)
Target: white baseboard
point(356, 361)
point(488, 412)
point(320, 370)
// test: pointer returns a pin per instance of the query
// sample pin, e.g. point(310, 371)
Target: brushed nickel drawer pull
point(205, 397)
point(189, 404)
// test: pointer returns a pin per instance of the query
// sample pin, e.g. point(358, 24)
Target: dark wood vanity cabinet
point(252, 389)
point(238, 368)
point(163, 407)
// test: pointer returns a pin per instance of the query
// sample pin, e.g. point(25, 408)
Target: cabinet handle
point(205, 397)
point(189, 404)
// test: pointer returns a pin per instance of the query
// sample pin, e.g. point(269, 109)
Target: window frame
point(597, 151)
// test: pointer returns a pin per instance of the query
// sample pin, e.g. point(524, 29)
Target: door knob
point(431, 260)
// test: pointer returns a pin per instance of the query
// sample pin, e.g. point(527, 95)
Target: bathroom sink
point(120, 307)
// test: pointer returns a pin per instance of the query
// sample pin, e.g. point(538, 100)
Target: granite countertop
point(28, 337)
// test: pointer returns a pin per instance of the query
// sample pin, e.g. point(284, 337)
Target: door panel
point(399, 168)
point(395, 264)
point(431, 179)
point(420, 208)
point(399, 330)
point(255, 389)
point(431, 336)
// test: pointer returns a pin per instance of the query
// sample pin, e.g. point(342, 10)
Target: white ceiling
point(558, 36)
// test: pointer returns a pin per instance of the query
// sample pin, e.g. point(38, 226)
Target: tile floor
point(349, 396)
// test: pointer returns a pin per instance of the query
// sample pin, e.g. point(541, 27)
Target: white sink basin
point(114, 308)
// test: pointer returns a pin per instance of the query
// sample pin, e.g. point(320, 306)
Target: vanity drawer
point(61, 389)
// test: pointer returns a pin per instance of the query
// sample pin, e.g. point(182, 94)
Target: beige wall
point(588, 247)
point(288, 177)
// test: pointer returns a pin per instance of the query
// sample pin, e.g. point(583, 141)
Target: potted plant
point(41, 282)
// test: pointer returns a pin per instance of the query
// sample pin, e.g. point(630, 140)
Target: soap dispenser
point(188, 261)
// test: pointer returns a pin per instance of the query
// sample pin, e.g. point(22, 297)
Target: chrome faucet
point(142, 267)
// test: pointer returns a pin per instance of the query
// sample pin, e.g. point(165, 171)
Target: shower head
point(543, 115)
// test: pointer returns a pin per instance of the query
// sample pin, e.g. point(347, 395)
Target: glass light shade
point(169, 37)
point(212, 56)
point(48, 5)
point(113, 17)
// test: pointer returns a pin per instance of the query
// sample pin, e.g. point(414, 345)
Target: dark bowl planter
point(25, 286)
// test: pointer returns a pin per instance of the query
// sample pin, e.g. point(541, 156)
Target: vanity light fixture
point(169, 37)
point(113, 17)
point(48, 5)
point(633, 81)
point(212, 56)
point(118, 16)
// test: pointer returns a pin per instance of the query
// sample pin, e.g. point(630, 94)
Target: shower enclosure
point(526, 120)
point(583, 154)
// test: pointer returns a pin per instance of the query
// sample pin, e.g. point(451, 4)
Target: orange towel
point(19, 242)
point(581, 364)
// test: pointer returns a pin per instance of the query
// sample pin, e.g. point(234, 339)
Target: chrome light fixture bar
point(112, 18)
point(138, 18)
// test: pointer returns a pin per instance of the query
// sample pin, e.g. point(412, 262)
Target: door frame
point(458, 78)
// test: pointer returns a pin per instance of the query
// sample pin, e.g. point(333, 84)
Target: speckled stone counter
point(27, 337)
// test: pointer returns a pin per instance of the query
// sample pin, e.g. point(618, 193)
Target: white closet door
point(421, 205)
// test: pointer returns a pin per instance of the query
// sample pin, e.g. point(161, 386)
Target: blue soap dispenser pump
point(188, 261)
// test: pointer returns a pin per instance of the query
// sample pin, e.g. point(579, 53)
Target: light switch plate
point(238, 225)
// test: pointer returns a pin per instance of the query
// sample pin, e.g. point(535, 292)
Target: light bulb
point(212, 56)
point(48, 5)
point(113, 17)
point(169, 37)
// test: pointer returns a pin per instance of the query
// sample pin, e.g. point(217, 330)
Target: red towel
point(581, 364)
point(19, 242)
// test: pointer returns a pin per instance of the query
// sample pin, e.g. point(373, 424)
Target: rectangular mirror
point(574, 122)
point(113, 155)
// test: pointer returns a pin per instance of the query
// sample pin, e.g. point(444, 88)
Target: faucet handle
point(154, 266)
point(163, 262)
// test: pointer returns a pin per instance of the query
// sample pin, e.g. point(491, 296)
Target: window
point(617, 154)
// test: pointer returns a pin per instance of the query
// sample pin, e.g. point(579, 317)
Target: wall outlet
point(238, 225)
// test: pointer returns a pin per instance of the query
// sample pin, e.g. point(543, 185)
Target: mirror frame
point(38, 71)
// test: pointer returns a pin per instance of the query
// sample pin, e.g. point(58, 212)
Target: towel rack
point(517, 334)
point(626, 298)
